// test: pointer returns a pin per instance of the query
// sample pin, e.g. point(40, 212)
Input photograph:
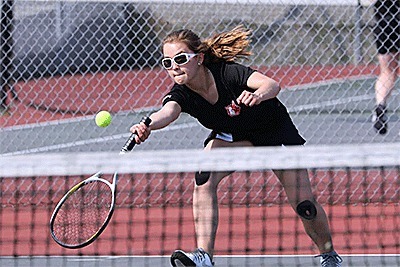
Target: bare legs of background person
point(384, 85)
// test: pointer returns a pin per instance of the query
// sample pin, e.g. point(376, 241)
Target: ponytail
point(227, 46)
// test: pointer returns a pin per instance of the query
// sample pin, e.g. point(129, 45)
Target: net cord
point(187, 160)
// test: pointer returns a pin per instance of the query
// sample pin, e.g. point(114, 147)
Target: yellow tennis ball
point(103, 118)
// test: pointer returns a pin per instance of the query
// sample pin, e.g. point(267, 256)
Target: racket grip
point(130, 143)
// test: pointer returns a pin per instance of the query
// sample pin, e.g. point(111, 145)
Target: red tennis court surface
point(363, 212)
point(241, 231)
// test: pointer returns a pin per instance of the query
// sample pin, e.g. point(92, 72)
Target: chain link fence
point(63, 61)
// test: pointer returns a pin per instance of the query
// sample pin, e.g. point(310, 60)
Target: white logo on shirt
point(233, 109)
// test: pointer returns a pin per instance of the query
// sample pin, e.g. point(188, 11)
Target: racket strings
point(83, 213)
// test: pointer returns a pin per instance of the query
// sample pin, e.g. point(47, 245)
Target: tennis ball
point(103, 118)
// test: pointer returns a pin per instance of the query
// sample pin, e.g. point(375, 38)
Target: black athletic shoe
point(380, 119)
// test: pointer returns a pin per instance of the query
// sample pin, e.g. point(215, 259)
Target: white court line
point(92, 141)
point(71, 120)
point(334, 102)
point(314, 85)
point(47, 123)
point(107, 257)
point(224, 256)
point(331, 103)
point(65, 145)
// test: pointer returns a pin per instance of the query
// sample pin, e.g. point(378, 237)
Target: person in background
point(240, 107)
point(387, 33)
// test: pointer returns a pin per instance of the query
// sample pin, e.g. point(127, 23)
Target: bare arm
point(159, 119)
point(264, 88)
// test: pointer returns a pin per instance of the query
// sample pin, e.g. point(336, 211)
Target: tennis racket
point(84, 211)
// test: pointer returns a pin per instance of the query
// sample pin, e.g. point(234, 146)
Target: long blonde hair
point(226, 46)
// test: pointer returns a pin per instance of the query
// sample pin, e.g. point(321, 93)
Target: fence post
point(6, 52)
point(358, 33)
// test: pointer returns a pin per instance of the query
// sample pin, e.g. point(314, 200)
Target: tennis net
point(358, 186)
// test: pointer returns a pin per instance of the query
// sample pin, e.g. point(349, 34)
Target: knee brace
point(202, 177)
point(306, 210)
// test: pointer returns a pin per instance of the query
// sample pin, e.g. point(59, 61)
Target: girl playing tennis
point(240, 107)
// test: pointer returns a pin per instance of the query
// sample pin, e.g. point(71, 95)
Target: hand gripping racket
point(84, 211)
point(130, 143)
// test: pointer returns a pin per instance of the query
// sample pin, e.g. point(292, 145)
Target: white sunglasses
point(180, 59)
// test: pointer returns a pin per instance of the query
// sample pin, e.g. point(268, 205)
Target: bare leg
point(388, 64)
point(205, 211)
point(205, 203)
point(298, 188)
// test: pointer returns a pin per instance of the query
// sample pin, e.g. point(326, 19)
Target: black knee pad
point(306, 210)
point(202, 177)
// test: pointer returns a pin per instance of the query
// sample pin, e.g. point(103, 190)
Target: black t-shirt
point(231, 80)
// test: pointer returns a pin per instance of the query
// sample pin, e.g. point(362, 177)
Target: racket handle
point(130, 143)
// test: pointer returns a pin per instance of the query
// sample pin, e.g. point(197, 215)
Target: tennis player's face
point(183, 66)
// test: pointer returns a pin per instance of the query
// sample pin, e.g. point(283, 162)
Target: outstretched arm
point(159, 119)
